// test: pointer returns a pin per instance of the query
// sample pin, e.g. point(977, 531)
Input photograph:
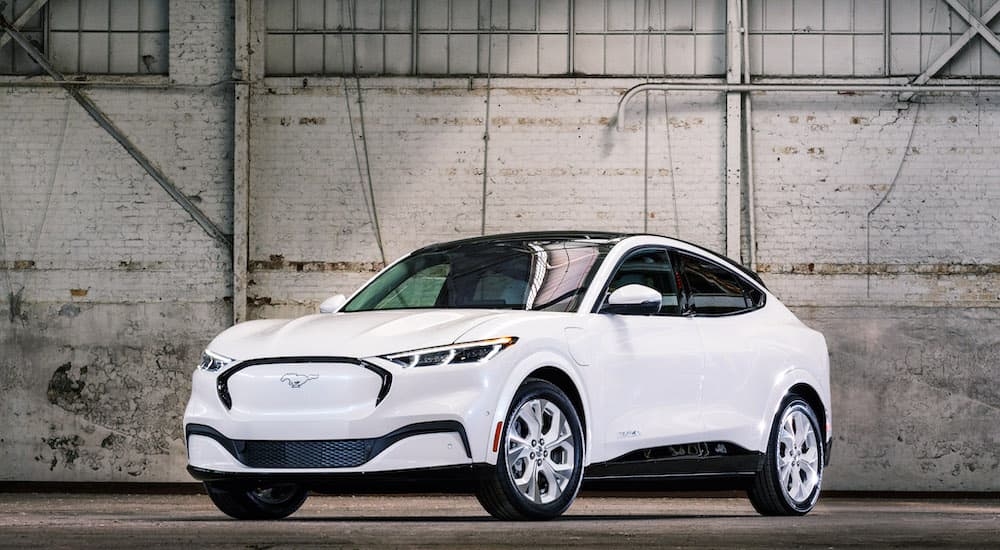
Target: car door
point(725, 308)
point(650, 364)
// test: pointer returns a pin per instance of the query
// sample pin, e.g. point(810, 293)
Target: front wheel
point(256, 501)
point(789, 483)
point(540, 465)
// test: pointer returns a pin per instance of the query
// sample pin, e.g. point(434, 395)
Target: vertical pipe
point(751, 259)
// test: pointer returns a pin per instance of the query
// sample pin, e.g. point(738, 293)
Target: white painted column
point(734, 127)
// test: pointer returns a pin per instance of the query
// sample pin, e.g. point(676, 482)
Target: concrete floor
point(178, 521)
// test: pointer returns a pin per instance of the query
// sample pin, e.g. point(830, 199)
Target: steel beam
point(104, 122)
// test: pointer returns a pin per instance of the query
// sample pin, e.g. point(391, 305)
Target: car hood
point(359, 334)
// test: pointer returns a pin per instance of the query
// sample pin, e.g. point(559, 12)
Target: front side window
point(651, 268)
point(712, 289)
point(540, 275)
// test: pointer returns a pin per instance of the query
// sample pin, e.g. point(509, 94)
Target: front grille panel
point(345, 453)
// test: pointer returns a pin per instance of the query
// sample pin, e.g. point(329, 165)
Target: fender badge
point(296, 380)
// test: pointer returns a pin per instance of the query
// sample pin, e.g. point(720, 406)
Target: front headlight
point(457, 354)
point(212, 362)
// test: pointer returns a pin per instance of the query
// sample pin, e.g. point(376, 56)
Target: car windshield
point(540, 274)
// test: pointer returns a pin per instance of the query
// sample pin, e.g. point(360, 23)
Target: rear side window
point(714, 290)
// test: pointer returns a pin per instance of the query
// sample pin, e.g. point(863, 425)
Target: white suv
point(516, 367)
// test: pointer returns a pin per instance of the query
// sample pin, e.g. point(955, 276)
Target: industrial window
point(502, 37)
point(864, 38)
point(90, 36)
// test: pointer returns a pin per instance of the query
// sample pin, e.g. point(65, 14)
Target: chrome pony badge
point(296, 380)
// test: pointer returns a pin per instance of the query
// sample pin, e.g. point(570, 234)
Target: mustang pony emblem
point(296, 380)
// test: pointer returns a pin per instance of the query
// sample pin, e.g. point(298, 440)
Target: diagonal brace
point(976, 26)
point(104, 122)
point(22, 19)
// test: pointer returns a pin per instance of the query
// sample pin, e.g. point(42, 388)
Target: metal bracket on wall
point(104, 122)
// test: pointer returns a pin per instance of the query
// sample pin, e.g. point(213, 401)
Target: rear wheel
point(789, 483)
point(540, 465)
point(256, 501)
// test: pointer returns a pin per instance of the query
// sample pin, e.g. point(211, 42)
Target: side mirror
point(633, 300)
point(333, 304)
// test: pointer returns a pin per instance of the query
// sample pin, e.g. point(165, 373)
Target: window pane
point(309, 54)
point(154, 15)
point(432, 14)
point(462, 54)
point(554, 15)
point(522, 15)
point(153, 52)
point(309, 15)
point(464, 15)
point(125, 16)
point(94, 52)
point(397, 15)
point(711, 289)
point(94, 15)
point(124, 53)
point(281, 15)
point(398, 54)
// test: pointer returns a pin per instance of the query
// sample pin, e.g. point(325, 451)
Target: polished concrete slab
point(31, 520)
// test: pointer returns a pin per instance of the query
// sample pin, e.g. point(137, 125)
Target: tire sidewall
point(530, 390)
point(788, 405)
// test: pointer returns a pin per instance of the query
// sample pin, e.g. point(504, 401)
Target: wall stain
point(65, 387)
point(129, 402)
point(65, 447)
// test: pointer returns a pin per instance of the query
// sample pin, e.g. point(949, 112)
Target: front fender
point(522, 371)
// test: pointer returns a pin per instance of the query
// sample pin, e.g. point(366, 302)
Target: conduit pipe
point(836, 88)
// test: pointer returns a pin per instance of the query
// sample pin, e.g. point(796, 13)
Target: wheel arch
point(811, 396)
point(557, 377)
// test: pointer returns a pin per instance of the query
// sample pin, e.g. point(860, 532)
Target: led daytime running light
point(458, 354)
point(212, 362)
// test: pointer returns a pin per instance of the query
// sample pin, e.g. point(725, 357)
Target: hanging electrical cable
point(364, 175)
point(892, 186)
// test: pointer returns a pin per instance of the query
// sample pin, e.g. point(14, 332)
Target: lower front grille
point(334, 453)
point(344, 453)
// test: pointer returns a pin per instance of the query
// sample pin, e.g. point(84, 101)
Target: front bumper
point(431, 417)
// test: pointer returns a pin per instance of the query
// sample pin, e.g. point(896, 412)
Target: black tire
point(560, 461)
point(256, 501)
point(795, 443)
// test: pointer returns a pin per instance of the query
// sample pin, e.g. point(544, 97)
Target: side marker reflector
point(496, 437)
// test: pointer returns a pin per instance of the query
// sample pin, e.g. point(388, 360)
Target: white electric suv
point(517, 367)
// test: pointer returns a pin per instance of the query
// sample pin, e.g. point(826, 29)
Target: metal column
point(734, 127)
